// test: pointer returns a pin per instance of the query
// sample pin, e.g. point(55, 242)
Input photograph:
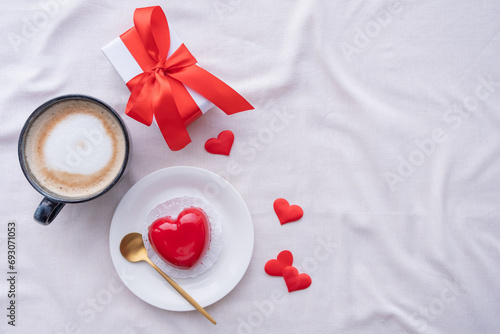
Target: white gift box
point(127, 67)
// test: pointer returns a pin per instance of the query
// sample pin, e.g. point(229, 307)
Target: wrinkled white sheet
point(380, 118)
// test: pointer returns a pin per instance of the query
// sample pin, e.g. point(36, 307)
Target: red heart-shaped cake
point(181, 242)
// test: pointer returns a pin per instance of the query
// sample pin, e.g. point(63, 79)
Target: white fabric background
point(359, 86)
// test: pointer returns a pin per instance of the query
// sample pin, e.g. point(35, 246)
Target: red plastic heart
point(275, 267)
point(295, 281)
point(222, 144)
point(181, 242)
point(287, 213)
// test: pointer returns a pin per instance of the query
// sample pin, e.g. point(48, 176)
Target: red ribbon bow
point(159, 90)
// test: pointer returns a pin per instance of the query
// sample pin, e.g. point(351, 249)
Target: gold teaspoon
point(132, 248)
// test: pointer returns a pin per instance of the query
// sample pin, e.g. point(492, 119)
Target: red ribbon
point(159, 90)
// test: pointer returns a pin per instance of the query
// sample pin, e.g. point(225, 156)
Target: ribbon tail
point(167, 115)
point(213, 89)
point(139, 102)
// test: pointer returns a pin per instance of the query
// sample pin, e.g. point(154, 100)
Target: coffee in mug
point(73, 149)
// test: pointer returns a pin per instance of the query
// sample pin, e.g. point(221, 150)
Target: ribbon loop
point(159, 92)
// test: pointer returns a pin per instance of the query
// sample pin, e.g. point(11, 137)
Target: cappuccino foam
point(75, 149)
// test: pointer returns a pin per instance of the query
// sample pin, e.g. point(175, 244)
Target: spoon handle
point(183, 293)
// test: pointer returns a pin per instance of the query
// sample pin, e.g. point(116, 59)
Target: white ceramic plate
point(237, 231)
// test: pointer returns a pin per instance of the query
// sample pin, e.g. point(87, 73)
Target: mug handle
point(47, 210)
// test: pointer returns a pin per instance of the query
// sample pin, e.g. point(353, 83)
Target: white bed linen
point(380, 118)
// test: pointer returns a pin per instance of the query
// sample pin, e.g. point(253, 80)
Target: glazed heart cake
point(183, 236)
point(181, 241)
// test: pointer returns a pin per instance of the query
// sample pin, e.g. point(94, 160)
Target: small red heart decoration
point(295, 281)
point(181, 242)
point(287, 213)
point(222, 144)
point(275, 267)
